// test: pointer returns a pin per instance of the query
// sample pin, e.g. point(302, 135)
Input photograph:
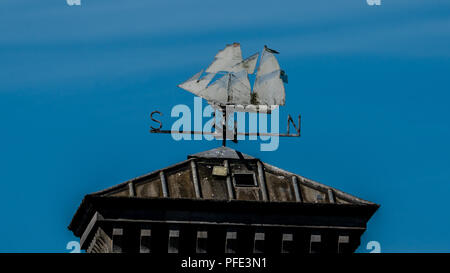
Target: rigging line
point(250, 89)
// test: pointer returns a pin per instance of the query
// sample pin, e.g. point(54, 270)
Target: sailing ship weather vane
point(225, 85)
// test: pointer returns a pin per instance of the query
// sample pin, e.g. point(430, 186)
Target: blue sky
point(77, 85)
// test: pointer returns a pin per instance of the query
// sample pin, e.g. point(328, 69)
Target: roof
point(195, 179)
point(222, 153)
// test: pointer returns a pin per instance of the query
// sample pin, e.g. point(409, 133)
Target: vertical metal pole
point(131, 189)
point(298, 196)
point(229, 184)
point(164, 184)
point(262, 181)
point(195, 180)
point(331, 196)
point(224, 126)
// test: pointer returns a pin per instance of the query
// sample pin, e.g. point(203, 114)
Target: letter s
point(155, 120)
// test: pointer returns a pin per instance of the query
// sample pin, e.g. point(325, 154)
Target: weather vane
point(231, 91)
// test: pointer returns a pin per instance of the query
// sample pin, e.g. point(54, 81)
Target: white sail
point(189, 85)
point(226, 59)
point(231, 88)
point(234, 86)
point(248, 64)
point(195, 84)
point(239, 89)
point(269, 88)
point(217, 92)
point(204, 81)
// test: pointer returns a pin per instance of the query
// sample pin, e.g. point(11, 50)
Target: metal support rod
point(229, 184)
point(331, 196)
point(131, 189)
point(298, 196)
point(224, 127)
point(195, 179)
point(215, 134)
point(224, 135)
point(262, 181)
point(163, 184)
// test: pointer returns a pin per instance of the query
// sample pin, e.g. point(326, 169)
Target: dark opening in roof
point(244, 179)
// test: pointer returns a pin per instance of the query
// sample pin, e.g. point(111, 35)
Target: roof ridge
point(222, 152)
